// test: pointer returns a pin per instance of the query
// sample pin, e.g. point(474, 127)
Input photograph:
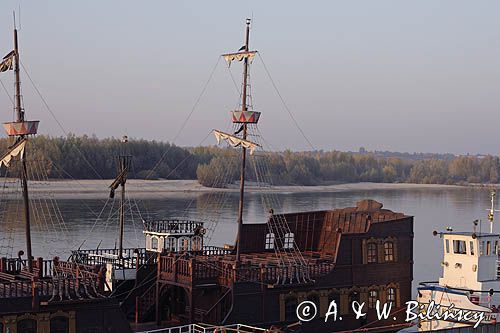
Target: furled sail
point(239, 56)
point(17, 149)
point(121, 179)
point(235, 141)
point(6, 63)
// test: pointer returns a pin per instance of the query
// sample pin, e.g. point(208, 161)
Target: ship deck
point(262, 267)
point(50, 280)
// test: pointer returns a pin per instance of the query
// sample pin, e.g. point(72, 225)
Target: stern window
point(447, 242)
point(388, 251)
point(391, 296)
point(371, 252)
point(269, 241)
point(288, 241)
point(471, 243)
point(154, 243)
point(372, 299)
point(459, 247)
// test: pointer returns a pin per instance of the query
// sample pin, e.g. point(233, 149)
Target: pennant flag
point(6, 63)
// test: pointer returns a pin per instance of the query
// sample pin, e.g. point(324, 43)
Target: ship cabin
point(470, 260)
point(362, 253)
point(173, 236)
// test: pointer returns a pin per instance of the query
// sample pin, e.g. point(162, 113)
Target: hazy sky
point(387, 75)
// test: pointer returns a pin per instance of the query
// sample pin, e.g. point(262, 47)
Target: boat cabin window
point(353, 297)
point(447, 243)
point(183, 244)
point(334, 296)
point(154, 243)
point(372, 299)
point(459, 247)
point(290, 308)
point(481, 248)
point(196, 246)
point(388, 251)
point(488, 248)
point(371, 255)
point(170, 244)
point(391, 296)
point(471, 243)
point(269, 241)
point(288, 241)
point(26, 326)
point(59, 325)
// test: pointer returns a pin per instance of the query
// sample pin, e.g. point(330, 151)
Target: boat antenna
point(492, 210)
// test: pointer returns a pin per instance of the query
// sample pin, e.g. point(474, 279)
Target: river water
point(432, 208)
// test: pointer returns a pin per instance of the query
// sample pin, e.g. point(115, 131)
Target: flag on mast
point(6, 63)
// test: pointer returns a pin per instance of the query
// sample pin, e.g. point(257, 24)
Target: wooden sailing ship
point(36, 294)
point(358, 253)
point(361, 253)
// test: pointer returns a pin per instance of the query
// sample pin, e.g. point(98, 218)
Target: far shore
point(92, 188)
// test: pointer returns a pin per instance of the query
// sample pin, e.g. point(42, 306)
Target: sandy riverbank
point(158, 188)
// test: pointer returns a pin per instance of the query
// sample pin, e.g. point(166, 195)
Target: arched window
point(59, 325)
point(196, 246)
point(334, 296)
point(388, 251)
point(353, 297)
point(391, 296)
point(290, 308)
point(371, 252)
point(183, 244)
point(288, 244)
point(170, 244)
point(372, 299)
point(154, 243)
point(313, 297)
point(26, 326)
point(269, 241)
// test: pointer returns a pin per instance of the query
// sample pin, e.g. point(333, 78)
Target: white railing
point(202, 328)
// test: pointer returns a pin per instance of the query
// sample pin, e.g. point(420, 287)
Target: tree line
point(88, 157)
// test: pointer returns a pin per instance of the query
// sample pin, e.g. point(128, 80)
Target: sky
point(411, 76)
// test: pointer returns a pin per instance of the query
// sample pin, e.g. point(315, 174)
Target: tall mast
point(243, 150)
point(123, 168)
point(123, 163)
point(241, 116)
point(24, 177)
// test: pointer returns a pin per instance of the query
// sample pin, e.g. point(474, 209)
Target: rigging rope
point(284, 104)
point(57, 121)
point(187, 118)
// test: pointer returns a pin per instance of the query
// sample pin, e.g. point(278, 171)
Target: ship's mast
point(123, 160)
point(243, 150)
point(123, 163)
point(24, 178)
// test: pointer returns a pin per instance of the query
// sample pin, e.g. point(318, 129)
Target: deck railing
point(172, 226)
point(132, 257)
point(202, 328)
point(196, 271)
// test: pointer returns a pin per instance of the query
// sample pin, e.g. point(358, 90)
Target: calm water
point(433, 209)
